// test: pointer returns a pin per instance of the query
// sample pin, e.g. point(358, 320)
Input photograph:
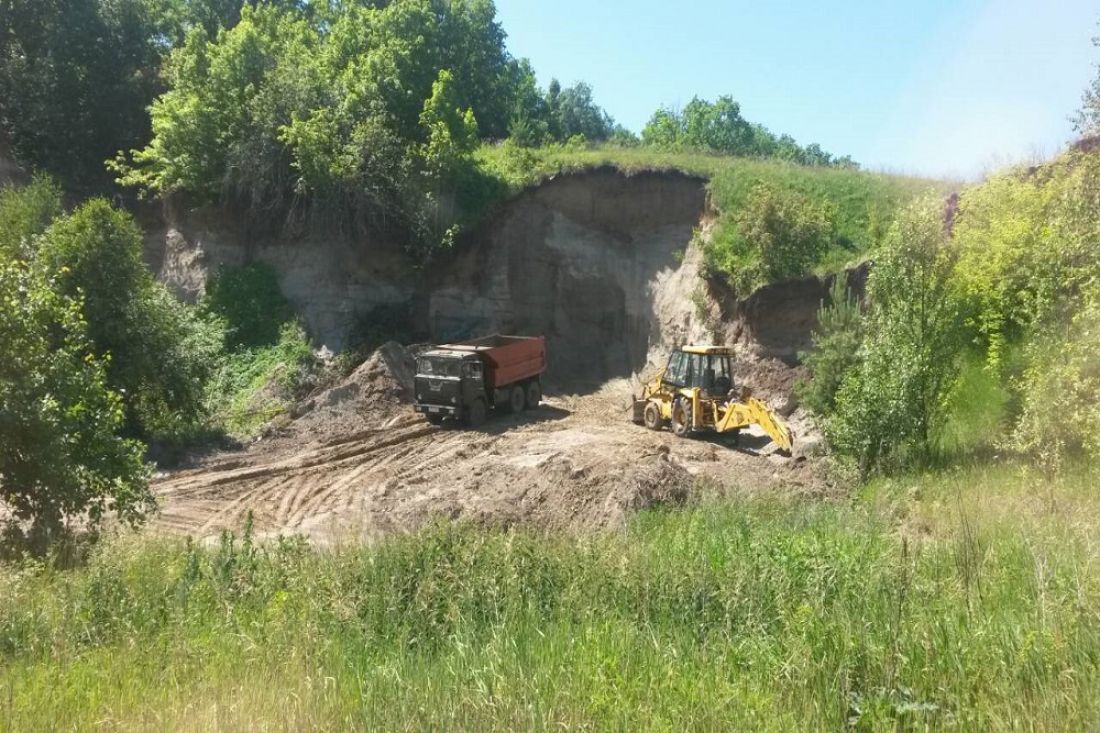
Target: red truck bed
point(509, 358)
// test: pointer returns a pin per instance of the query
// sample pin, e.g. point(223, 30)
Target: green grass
point(257, 385)
point(967, 598)
point(863, 204)
point(977, 412)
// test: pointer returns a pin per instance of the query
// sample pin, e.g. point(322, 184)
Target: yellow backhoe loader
point(695, 392)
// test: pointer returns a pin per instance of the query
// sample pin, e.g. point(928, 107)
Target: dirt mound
point(769, 379)
point(380, 388)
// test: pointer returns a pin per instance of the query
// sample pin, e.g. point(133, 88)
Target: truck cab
point(447, 383)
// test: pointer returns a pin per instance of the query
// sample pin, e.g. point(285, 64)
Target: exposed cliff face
point(602, 263)
point(333, 281)
point(588, 260)
point(777, 321)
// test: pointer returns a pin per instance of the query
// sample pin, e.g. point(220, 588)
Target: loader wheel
point(475, 416)
point(516, 399)
point(681, 418)
point(534, 395)
point(653, 418)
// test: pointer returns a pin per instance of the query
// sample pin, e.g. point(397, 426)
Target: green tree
point(719, 127)
point(76, 77)
point(1087, 119)
point(888, 406)
point(664, 129)
point(529, 125)
point(287, 113)
point(835, 352)
point(553, 107)
point(24, 214)
point(61, 455)
point(450, 131)
point(158, 354)
point(578, 114)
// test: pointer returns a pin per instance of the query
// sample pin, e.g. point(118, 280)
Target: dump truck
point(695, 392)
point(464, 381)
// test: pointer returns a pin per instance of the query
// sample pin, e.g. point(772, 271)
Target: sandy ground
point(576, 462)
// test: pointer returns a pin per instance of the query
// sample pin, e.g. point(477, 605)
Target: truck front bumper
point(444, 410)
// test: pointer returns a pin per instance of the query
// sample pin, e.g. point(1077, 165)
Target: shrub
point(251, 304)
point(1027, 270)
point(1060, 387)
point(25, 213)
point(887, 407)
point(254, 386)
point(777, 234)
point(1027, 246)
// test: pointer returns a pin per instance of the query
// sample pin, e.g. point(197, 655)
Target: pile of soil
point(379, 390)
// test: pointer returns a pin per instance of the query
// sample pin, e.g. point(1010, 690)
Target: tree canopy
point(1087, 120)
point(367, 108)
point(719, 127)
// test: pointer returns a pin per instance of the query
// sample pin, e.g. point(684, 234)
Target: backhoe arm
point(754, 412)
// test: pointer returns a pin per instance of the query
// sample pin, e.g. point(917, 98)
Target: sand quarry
point(608, 267)
point(357, 463)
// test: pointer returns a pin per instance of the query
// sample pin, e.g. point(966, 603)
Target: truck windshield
point(438, 366)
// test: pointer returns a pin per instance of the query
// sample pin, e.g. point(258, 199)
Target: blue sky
point(925, 86)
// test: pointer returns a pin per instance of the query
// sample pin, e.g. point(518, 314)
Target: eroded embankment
point(592, 261)
point(604, 264)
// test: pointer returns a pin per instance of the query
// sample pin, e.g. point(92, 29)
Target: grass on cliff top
point(963, 599)
point(863, 204)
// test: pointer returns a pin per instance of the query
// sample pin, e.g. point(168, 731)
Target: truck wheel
point(475, 415)
point(534, 395)
point(681, 418)
point(435, 419)
point(516, 399)
point(653, 418)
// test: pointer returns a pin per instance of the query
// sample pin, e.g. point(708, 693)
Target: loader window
point(677, 372)
point(698, 371)
point(719, 374)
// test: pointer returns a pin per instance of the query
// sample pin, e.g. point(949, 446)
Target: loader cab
point(708, 368)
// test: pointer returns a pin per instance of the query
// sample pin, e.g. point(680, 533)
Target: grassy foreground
point(969, 598)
